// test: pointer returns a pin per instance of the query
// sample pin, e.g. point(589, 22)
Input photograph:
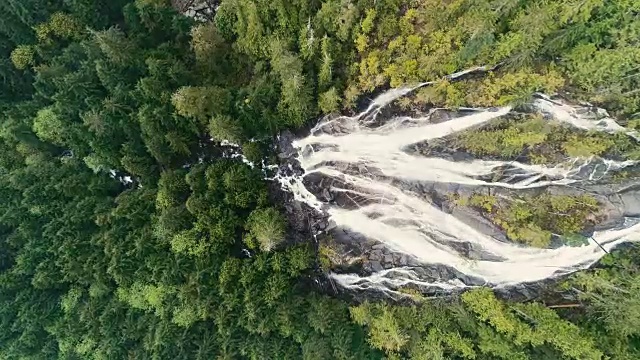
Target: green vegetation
point(152, 267)
point(477, 326)
point(327, 256)
point(612, 293)
point(497, 89)
point(540, 45)
point(532, 220)
point(126, 232)
point(267, 227)
point(543, 141)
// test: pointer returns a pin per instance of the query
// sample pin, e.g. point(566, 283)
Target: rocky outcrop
point(630, 201)
point(201, 10)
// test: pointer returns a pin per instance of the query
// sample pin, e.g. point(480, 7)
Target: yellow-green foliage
point(414, 294)
point(437, 330)
point(513, 88)
point(368, 22)
point(506, 142)
point(545, 141)
point(205, 41)
point(23, 56)
point(386, 331)
point(409, 51)
point(485, 202)
point(327, 255)
point(607, 74)
point(431, 39)
point(496, 89)
point(329, 101)
point(540, 45)
point(145, 296)
point(49, 126)
point(60, 25)
point(531, 323)
point(530, 234)
point(533, 220)
point(266, 229)
point(577, 146)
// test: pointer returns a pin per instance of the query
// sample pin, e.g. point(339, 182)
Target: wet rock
point(322, 225)
point(474, 252)
point(376, 266)
point(349, 197)
point(375, 255)
point(631, 203)
point(475, 220)
point(285, 145)
point(440, 116)
point(199, 10)
point(327, 195)
point(412, 261)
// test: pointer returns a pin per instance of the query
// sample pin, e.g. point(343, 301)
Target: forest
point(129, 231)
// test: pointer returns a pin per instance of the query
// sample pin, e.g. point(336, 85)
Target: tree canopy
point(129, 228)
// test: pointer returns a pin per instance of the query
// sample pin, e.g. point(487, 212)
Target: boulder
point(631, 203)
point(376, 266)
point(375, 255)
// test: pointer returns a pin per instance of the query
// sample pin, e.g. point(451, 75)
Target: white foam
point(576, 116)
point(396, 278)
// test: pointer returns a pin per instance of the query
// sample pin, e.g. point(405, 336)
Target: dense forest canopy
point(129, 231)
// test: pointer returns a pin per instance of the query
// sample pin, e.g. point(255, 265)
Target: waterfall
point(366, 160)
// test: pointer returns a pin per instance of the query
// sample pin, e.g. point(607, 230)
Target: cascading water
point(365, 160)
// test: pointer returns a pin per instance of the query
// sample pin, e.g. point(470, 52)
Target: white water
point(382, 162)
point(575, 115)
point(387, 279)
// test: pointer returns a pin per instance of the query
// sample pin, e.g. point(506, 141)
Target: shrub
point(23, 56)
